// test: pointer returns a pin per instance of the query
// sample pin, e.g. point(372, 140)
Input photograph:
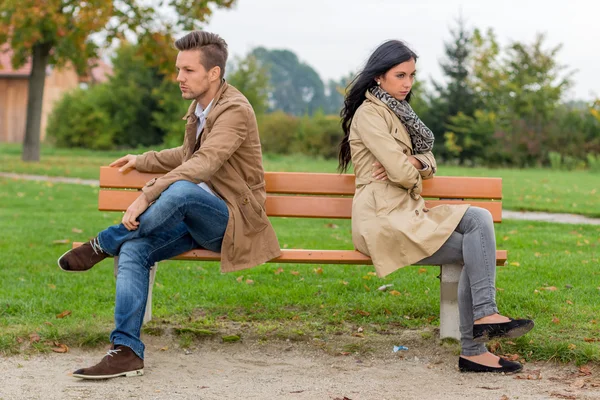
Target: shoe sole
point(493, 371)
point(513, 333)
point(129, 374)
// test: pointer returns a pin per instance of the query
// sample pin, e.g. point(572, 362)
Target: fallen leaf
point(512, 357)
point(533, 376)
point(388, 312)
point(572, 346)
point(344, 283)
point(63, 314)
point(164, 348)
point(240, 278)
point(249, 282)
point(578, 384)
point(61, 241)
point(359, 335)
point(363, 313)
point(504, 397)
point(515, 264)
point(550, 288)
point(332, 226)
point(555, 320)
point(395, 293)
point(591, 340)
point(48, 323)
point(318, 271)
point(295, 273)
point(76, 230)
point(372, 273)
point(34, 337)
point(584, 370)
point(51, 286)
point(368, 289)
point(569, 302)
point(422, 270)
point(278, 271)
point(60, 348)
point(495, 346)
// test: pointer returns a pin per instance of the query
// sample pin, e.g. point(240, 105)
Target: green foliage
point(468, 138)
point(296, 88)
point(277, 132)
point(57, 32)
point(318, 136)
point(252, 79)
point(555, 160)
point(81, 119)
point(139, 106)
point(593, 162)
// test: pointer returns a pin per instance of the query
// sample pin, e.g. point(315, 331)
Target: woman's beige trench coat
point(390, 222)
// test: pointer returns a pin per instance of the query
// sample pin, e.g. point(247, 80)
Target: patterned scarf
point(420, 135)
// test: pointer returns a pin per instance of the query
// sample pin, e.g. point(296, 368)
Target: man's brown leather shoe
point(119, 361)
point(83, 257)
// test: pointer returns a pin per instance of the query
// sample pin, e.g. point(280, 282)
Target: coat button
point(405, 151)
point(246, 200)
point(417, 212)
point(426, 209)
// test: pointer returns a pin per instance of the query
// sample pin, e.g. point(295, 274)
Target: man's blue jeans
point(183, 218)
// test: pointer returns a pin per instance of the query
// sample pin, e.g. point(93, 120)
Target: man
point(212, 196)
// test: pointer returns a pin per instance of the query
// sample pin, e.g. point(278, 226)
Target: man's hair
point(211, 45)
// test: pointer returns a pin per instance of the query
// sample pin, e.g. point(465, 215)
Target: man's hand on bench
point(125, 162)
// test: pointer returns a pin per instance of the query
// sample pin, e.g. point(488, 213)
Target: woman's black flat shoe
point(512, 329)
point(506, 366)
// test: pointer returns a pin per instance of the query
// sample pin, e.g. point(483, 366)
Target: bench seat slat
point(449, 187)
point(292, 206)
point(301, 256)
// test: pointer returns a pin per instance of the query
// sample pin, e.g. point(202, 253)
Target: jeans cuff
point(138, 348)
point(484, 312)
point(102, 247)
point(475, 351)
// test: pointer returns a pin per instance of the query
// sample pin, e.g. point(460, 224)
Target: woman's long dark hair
point(385, 57)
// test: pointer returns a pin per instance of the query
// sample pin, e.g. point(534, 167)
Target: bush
point(593, 162)
point(277, 132)
point(319, 136)
point(81, 119)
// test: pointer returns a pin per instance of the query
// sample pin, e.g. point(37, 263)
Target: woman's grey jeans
point(472, 244)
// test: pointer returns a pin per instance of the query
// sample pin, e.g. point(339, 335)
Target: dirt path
point(286, 370)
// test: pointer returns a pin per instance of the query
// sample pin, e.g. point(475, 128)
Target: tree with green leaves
point(296, 87)
point(57, 32)
point(252, 79)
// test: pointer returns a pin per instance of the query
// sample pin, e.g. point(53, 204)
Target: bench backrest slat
point(448, 187)
point(293, 206)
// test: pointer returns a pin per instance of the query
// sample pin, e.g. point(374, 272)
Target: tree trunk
point(37, 80)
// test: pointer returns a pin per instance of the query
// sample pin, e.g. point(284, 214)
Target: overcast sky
point(337, 36)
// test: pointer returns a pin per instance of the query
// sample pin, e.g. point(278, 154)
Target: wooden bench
point(320, 195)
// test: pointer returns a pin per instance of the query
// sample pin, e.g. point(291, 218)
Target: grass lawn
point(552, 277)
point(575, 192)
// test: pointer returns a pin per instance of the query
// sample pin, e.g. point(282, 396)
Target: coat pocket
point(255, 219)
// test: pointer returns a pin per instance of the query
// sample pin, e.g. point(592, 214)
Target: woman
point(390, 149)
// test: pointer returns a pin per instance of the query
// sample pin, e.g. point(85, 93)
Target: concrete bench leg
point(148, 313)
point(449, 319)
